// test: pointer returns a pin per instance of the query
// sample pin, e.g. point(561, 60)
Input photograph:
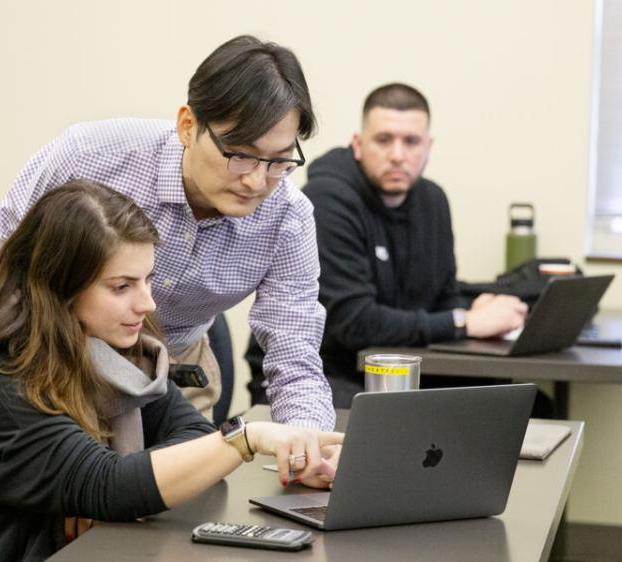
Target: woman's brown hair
point(57, 251)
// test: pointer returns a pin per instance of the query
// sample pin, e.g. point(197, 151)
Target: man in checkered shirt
point(215, 183)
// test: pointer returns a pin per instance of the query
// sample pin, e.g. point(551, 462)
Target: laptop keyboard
point(317, 513)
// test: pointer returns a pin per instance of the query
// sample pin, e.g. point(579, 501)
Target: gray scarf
point(134, 388)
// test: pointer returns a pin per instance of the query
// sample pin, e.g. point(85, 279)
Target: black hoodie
point(388, 276)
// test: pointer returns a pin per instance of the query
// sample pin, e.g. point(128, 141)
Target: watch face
point(231, 425)
point(459, 315)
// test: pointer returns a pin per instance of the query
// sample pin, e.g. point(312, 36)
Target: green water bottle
point(520, 242)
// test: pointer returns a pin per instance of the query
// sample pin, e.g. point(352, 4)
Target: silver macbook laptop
point(423, 455)
point(555, 322)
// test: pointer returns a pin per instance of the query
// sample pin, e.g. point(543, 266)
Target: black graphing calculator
point(252, 536)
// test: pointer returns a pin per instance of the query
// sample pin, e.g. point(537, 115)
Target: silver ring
point(294, 459)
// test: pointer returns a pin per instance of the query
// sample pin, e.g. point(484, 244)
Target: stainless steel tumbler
point(391, 372)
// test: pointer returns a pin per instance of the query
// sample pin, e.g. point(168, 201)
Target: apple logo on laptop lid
point(432, 456)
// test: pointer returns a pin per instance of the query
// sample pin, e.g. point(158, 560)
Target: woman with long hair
point(90, 425)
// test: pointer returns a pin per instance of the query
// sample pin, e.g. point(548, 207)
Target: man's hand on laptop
point(327, 469)
point(494, 315)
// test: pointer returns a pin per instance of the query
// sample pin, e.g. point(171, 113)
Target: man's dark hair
point(253, 85)
point(396, 96)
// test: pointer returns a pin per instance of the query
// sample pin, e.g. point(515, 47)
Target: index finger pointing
point(330, 438)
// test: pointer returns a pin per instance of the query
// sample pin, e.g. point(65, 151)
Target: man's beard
point(407, 189)
point(399, 191)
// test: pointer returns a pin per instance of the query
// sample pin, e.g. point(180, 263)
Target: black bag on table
point(525, 281)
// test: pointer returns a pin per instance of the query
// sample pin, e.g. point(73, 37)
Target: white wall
point(509, 84)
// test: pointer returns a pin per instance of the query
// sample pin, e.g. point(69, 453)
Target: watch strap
point(459, 317)
point(234, 433)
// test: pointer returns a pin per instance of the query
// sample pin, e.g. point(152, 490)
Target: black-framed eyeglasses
point(243, 163)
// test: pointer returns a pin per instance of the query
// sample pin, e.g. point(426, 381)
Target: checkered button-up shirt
point(204, 267)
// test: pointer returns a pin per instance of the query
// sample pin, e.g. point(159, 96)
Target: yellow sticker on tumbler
point(394, 371)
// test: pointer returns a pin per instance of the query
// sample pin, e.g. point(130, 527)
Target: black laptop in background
point(554, 323)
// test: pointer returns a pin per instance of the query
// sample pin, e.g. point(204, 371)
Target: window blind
point(604, 238)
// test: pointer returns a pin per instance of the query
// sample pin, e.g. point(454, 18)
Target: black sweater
point(50, 468)
point(388, 276)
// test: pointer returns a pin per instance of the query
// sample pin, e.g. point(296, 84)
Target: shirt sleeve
point(48, 464)
point(356, 318)
point(52, 166)
point(288, 322)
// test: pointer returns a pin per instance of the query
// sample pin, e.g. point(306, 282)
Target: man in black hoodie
point(388, 273)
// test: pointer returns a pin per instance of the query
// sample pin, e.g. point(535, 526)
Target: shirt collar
point(170, 185)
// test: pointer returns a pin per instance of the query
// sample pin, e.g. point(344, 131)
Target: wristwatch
point(234, 432)
point(459, 315)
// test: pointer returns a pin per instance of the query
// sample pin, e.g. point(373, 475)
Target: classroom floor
point(581, 542)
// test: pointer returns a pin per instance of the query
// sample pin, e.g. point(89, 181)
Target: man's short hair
point(253, 85)
point(396, 96)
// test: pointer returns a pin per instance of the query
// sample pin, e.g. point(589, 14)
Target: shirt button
point(188, 236)
point(167, 282)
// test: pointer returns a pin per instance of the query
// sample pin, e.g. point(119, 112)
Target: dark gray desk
point(576, 364)
point(525, 531)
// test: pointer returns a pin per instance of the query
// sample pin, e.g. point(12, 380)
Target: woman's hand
point(303, 451)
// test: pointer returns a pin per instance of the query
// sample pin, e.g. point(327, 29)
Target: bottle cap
point(522, 214)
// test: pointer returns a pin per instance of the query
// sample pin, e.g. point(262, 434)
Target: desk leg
point(561, 390)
